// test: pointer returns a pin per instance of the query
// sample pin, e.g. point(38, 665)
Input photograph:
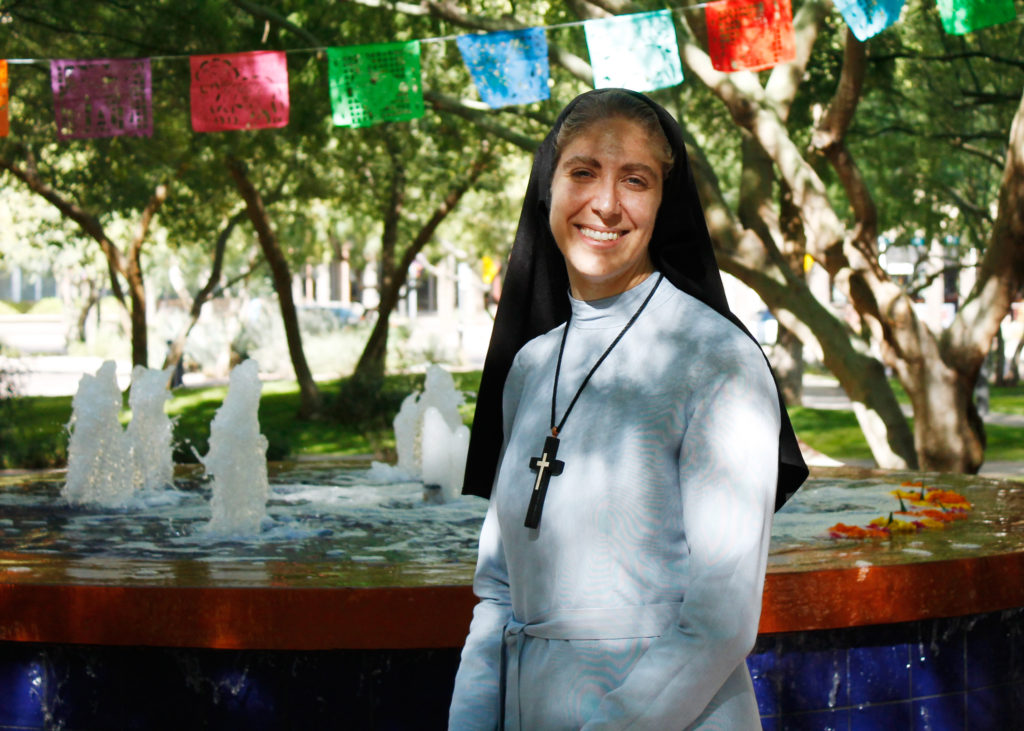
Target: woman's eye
point(636, 181)
point(581, 173)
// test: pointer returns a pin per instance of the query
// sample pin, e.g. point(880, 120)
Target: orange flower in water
point(906, 494)
point(946, 516)
point(929, 508)
point(933, 497)
point(948, 498)
point(922, 518)
point(842, 530)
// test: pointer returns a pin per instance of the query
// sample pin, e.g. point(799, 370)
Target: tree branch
point(90, 224)
point(446, 206)
point(1001, 272)
point(784, 80)
point(887, 57)
point(481, 118)
point(271, 16)
point(405, 8)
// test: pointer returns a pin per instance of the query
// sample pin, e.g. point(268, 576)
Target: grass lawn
point(33, 435)
point(834, 433)
point(837, 434)
point(1007, 399)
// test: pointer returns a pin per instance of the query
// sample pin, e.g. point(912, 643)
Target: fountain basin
point(878, 620)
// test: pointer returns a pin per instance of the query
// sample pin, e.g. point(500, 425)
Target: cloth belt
point(613, 623)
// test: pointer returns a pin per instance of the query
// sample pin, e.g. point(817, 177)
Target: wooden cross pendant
point(546, 467)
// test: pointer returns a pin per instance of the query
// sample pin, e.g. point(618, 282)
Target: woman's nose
point(606, 203)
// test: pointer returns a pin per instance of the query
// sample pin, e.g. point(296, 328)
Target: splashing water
point(151, 431)
point(430, 438)
point(237, 459)
point(108, 465)
point(99, 453)
point(443, 458)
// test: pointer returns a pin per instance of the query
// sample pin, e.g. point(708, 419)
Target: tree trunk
point(787, 359)
point(999, 359)
point(310, 401)
point(762, 267)
point(372, 362)
point(1014, 365)
point(948, 432)
point(140, 338)
point(133, 273)
point(92, 298)
point(393, 275)
point(371, 366)
point(177, 348)
point(756, 212)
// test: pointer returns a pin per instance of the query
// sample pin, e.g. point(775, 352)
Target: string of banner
point(382, 82)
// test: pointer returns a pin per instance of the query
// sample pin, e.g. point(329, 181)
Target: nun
point(633, 444)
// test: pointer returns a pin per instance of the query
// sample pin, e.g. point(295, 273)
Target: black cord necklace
point(546, 466)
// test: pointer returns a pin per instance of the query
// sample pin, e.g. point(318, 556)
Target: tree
point(94, 181)
point(836, 219)
point(126, 263)
point(396, 259)
point(310, 394)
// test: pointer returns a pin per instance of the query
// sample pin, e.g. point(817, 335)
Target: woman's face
point(605, 195)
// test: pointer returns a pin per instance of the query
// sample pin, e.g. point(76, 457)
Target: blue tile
point(937, 660)
point(884, 716)
point(989, 652)
point(763, 673)
point(993, 709)
point(943, 713)
point(1016, 621)
point(879, 674)
point(812, 680)
point(838, 720)
point(21, 686)
point(769, 723)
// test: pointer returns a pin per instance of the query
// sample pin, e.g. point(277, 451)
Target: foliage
point(32, 429)
point(833, 433)
point(933, 122)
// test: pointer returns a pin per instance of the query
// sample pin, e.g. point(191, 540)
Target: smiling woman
point(630, 438)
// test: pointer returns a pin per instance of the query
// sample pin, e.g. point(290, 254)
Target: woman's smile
point(591, 233)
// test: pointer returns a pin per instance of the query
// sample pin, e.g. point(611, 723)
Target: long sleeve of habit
point(477, 697)
point(636, 600)
point(476, 700)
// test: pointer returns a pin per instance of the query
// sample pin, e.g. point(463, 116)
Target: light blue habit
point(635, 602)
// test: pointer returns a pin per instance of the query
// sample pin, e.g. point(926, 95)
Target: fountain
point(345, 603)
point(99, 455)
point(237, 459)
point(430, 438)
point(150, 431)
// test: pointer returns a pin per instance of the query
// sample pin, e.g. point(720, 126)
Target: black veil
point(534, 295)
